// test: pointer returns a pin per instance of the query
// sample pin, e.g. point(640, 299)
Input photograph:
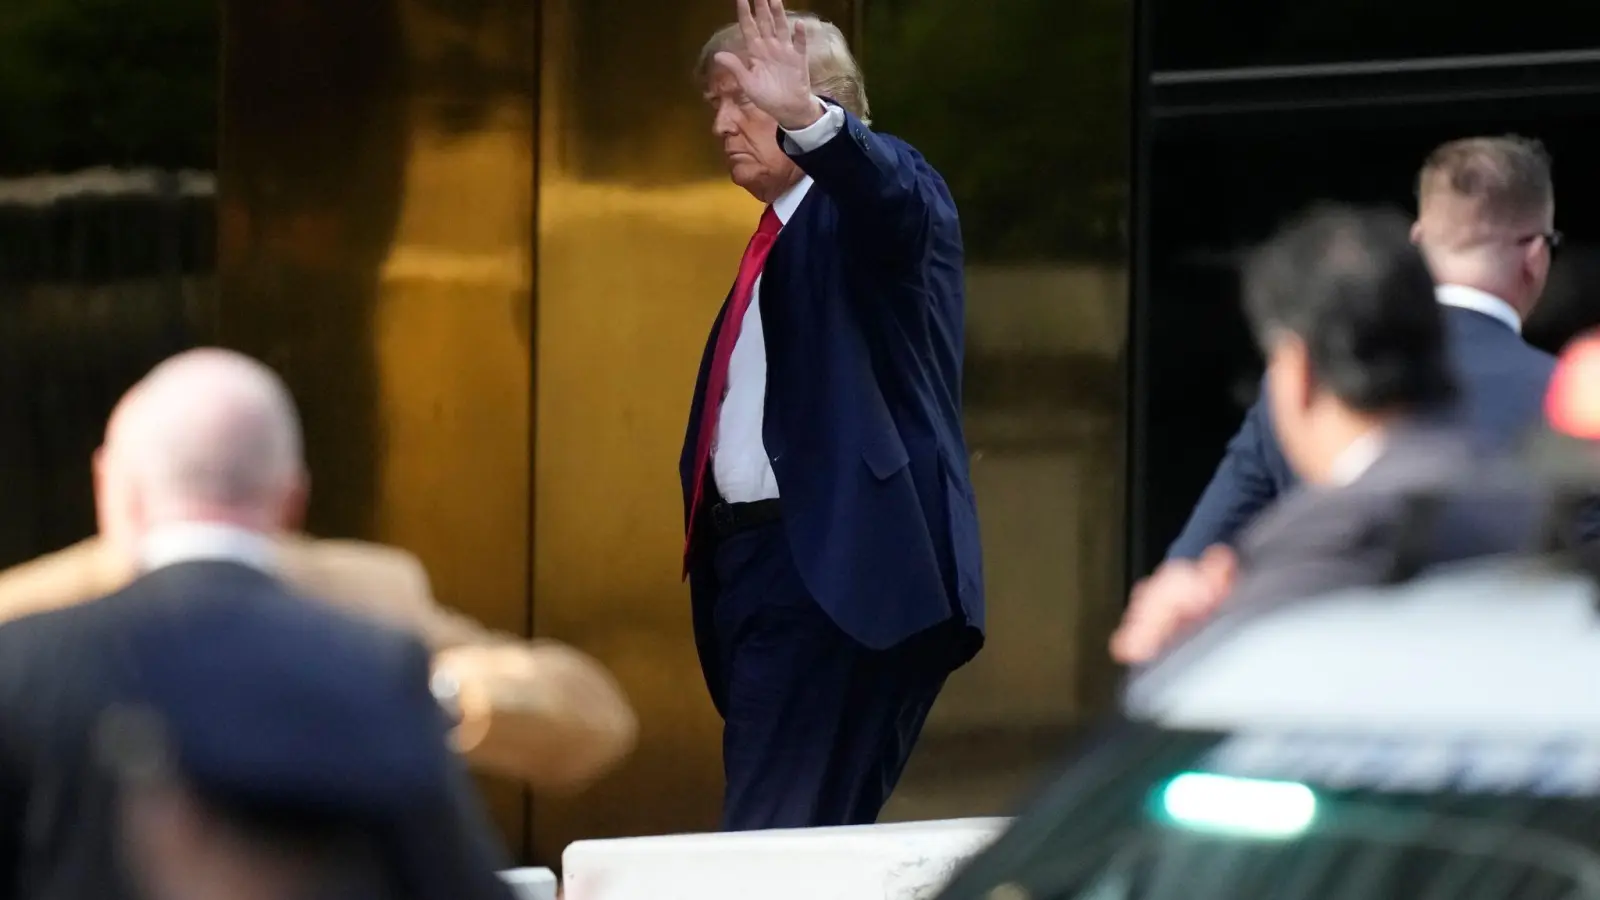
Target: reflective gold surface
point(376, 214)
point(639, 239)
point(384, 203)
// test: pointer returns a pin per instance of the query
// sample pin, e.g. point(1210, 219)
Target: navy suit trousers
point(818, 728)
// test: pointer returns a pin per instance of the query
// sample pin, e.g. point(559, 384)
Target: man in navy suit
point(1357, 349)
point(832, 538)
point(1486, 214)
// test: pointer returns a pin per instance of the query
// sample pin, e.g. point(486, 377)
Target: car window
point(1153, 814)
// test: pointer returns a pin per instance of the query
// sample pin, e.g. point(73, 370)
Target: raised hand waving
point(773, 72)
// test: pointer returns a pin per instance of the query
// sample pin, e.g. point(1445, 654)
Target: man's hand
point(1176, 597)
point(773, 73)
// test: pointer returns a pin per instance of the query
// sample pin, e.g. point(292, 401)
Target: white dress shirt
point(207, 542)
point(738, 454)
point(1356, 459)
point(1463, 297)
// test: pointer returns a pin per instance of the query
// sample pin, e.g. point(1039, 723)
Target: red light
point(1572, 404)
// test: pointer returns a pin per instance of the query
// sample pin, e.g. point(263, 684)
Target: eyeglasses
point(1551, 238)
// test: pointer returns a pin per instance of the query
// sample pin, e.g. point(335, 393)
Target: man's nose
point(722, 124)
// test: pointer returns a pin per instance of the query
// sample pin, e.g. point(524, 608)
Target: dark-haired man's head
point(1343, 305)
point(1486, 217)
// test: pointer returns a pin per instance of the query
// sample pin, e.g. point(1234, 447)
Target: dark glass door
point(1227, 156)
point(1235, 34)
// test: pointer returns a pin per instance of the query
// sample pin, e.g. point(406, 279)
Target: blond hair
point(1504, 180)
point(834, 71)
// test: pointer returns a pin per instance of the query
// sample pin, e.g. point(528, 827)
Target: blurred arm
point(77, 574)
point(1243, 485)
point(537, 711)
point(881, 188)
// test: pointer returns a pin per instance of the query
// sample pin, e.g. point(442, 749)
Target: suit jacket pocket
point(885, 454)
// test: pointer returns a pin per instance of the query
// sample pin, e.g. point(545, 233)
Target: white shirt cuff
point(817, 133)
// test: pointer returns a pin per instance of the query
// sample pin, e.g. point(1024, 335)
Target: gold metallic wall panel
point(376, 215)
point(378, 201)
point(639, 236)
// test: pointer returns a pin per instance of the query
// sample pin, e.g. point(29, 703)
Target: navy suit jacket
point(862, 304)
point(271, 703)
point(1503, 382)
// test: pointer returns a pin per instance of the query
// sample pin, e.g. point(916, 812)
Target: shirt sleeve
point(823, 130)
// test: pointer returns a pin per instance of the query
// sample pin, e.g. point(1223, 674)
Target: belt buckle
point(722, 518)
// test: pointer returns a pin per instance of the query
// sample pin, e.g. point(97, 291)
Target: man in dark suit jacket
point(1360, 384)
point(270, 706)
point(1486, 210)
point(832, 546)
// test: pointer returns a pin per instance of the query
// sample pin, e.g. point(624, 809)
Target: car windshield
point(1219, 785)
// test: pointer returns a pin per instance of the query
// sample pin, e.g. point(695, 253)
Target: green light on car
point(1244, 807)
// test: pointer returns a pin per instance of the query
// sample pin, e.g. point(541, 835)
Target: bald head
point(1485, 213)
point(209, 435)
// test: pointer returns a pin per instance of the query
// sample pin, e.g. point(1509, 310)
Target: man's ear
point(1295, 358)
point(1535, 261)
point(1416, 232)
point(294, 512)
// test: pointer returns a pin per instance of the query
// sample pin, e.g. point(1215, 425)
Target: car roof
point(1505, 647)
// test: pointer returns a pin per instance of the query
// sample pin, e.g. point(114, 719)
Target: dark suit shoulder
point(1314, 541)
point(911, 156)
point(1312, 519)
point(85, 643)
point(1320, 539)
point(46, 656)
point(1521, 356)
point(234, 599)
point(264, 690)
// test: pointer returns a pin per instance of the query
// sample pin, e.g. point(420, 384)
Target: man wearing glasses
point(1485, 222)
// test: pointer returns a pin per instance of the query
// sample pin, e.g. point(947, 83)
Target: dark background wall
point(107, 233)
point(1249, 111)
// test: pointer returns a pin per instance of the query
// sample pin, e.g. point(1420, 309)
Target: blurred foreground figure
point(273, 703)
point(243, 778)
point(1360, 383)
point(1486, 223)
point(539, 711)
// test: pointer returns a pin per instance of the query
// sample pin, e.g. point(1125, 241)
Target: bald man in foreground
point(209, 671)
point(540, 712)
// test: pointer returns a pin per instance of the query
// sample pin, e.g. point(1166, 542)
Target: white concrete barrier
point(902, 861)
point(531, 884)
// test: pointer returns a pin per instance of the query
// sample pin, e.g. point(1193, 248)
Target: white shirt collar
point(205, 541)
point(1356, 459)
point(785, 205)
point(1463, 297)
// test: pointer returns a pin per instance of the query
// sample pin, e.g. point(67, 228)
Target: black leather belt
point(728, 519)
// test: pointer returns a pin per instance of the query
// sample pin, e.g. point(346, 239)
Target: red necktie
point(755, 256)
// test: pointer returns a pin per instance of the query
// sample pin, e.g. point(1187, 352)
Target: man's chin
point(747, 175)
